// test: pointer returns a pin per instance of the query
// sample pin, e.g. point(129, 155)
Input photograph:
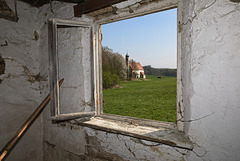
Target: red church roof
point(142, 73)
point(135, 65)
point(135, 73)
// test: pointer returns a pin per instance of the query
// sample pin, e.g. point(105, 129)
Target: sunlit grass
point(152, 98)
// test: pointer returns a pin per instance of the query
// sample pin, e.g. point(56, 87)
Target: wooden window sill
point(156, 131)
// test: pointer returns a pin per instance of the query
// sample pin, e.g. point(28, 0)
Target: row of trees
point(148, 70)
point(113, 68)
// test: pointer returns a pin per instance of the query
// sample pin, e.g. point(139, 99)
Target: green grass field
point(152, 98)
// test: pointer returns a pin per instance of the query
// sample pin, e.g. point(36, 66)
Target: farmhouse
point(45, 41)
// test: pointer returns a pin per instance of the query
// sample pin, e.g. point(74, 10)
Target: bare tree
point(114, 67)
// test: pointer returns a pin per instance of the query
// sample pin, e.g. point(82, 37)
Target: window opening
point(139, 61)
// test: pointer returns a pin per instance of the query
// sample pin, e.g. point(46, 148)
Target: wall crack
point(4, 44)
point(199, 12)
point(196, 118)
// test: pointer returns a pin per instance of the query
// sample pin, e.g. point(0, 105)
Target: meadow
point(150, 98)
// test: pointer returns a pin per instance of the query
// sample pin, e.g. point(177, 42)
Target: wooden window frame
point(53, 25)
point(179, 105)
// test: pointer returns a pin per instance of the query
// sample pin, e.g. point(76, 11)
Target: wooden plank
point(53, 67)
point(71, 1)
point(39, 3)
point(7, 13)
point(161, 135)
point(19, 134)
point(71, 116)
point(140, 121)
point(93, 5)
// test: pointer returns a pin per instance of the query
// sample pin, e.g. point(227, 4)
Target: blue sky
point(150, 39)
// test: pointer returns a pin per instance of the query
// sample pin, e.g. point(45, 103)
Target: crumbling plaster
point(209, 38)
point(88, 144)
point(23, 81)
point(210, 46)
point(210, 87)
point(19, 88)
point(75, 54)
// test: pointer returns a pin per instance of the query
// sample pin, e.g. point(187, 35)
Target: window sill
point(156, 131)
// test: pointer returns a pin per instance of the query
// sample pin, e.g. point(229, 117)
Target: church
point(134, 69)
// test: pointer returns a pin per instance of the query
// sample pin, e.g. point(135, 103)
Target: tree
point(159, 71)
point(113, 67)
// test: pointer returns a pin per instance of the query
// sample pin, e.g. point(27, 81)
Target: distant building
point(134, 69)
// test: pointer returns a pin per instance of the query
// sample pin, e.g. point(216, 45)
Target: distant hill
point(148, 70)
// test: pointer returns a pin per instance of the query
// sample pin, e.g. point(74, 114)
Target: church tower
point(127, 64)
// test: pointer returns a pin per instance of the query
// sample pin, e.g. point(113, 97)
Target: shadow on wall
point(2, 67)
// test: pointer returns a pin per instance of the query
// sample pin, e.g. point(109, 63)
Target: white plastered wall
point(70, 141)
point(210, 49)
point(209, 63)
point(210, 39)
point(20, 87)
point(24, 83)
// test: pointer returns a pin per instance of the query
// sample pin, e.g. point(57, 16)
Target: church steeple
point(127, 59)
point(127, 64)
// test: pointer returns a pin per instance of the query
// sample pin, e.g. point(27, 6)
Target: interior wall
point(209, 38)
point(63, 141)
point(20, 79)
point(24, 74)
point(211, 80)
point(210, 72)
point(70, 141)
point(210, 66)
